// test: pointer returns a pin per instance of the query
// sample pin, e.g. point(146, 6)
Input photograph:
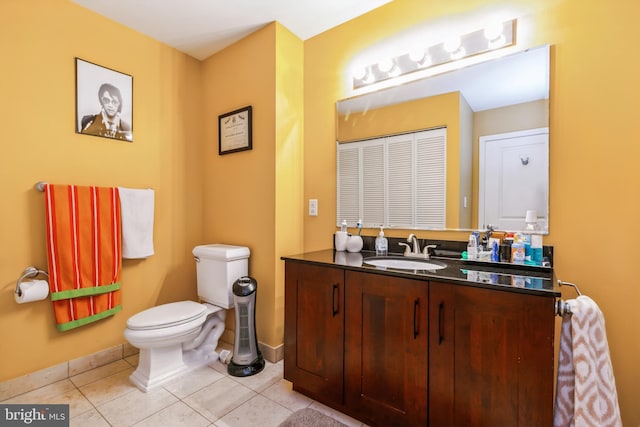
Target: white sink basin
point(405, 263)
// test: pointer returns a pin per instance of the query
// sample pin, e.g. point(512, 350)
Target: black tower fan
point(247, 359)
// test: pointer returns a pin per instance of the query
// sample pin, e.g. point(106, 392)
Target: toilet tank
point(218, 266)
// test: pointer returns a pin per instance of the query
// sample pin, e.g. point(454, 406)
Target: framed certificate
point(234, 131)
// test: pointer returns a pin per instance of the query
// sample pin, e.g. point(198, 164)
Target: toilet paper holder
point(29, 272)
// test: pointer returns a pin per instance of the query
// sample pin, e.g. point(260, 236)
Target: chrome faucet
point(416, 245)
point(407, 247)
point(415, 252)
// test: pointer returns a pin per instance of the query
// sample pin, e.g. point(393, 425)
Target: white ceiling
point(201, 28)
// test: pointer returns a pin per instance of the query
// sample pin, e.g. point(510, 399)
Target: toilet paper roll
point(33, 290)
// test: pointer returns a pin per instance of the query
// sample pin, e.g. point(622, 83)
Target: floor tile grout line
point(90, 403)
point(263, 392)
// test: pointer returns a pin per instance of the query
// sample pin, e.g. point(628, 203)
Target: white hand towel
point(136, 208)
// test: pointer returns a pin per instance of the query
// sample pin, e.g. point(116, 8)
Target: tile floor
point(208, 396)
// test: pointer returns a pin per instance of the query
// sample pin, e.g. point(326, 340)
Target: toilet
point(180, 336)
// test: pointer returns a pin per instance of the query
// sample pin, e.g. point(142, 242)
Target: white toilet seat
point(168, 316)
point(166, 324)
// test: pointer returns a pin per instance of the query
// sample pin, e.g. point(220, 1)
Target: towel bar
point(40, 186)
point(563, 307)
point(29, 272)
point(574, 286)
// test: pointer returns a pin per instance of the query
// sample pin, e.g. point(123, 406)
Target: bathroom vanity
point(467, 345)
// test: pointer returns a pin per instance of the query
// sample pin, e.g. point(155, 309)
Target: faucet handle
point(407, 250)
point(425, 251)
point(411, 237)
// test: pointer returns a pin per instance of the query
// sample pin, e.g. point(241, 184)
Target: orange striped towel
point(84, 253)
point(586, 389)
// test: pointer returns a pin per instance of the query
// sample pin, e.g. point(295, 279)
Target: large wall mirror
point(496, 115)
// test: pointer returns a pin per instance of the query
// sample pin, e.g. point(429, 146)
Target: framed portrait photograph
point(104, 102)
point(234, 131)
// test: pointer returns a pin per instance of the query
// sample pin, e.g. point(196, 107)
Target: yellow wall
point(593, 150)
point(239, 187)
point(39, 41)
point(244, 191)
point(419, 114)
point(289, 170)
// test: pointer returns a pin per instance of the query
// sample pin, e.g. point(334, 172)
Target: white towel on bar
point(136, 208)
point(586, 389)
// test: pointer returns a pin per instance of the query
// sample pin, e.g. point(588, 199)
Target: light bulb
point(416, 55)
point(385, 65)
point(493, 31)
point(494, 35)
point(359, 72)
point(452, 44)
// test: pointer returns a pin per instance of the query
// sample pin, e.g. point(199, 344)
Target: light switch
point(313, 207)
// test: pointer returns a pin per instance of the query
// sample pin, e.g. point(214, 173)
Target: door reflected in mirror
point(478, 105)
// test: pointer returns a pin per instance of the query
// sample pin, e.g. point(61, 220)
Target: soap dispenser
point(341, 237)
point(382, 245)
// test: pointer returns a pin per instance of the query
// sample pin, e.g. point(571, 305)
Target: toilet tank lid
point(221, 252)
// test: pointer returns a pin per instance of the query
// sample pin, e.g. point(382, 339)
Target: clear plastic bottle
point(382, 244)
point(472, 248)
point(343, 228)
point(531, 224)
point(536, 248)
point(518, 250)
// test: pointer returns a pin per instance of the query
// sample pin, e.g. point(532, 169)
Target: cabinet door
point(314, 330)
point(386, 349)
point(490, 357)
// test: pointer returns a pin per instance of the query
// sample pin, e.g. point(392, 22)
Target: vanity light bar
point(470, 44)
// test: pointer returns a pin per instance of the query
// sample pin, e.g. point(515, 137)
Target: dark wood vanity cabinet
point(491, 357)
point(386, 349)
point(314, 331)
point(396, 351)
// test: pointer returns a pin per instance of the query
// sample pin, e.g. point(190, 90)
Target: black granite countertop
point(492, 275)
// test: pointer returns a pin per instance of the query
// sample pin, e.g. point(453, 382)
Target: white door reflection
point(514, 178)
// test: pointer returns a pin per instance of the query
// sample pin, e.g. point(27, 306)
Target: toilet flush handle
point(196, 258)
